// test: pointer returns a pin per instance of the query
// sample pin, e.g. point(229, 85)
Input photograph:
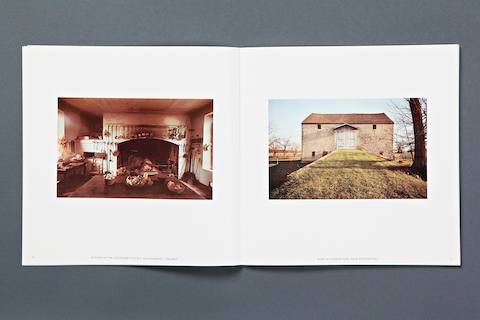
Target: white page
point(63, 231)
point(343, 232)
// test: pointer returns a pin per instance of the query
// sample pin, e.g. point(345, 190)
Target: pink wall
point(77, 123)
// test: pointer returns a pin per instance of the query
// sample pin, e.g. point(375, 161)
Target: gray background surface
point(236, 293)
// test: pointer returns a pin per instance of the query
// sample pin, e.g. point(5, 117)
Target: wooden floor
point(96, 188)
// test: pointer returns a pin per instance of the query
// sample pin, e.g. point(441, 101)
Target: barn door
point(346, 138)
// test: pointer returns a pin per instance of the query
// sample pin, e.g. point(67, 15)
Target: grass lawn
point(352, 174)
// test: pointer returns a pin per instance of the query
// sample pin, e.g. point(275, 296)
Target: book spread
point(217, 156)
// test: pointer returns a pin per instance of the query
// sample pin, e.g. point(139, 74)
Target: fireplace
point(162, 154)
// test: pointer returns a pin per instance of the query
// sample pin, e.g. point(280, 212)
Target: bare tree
point(399, 142)
point(420, 160)
point(285, 144)
point(295, 147)
point(411, 131)
point(273, 140)
point(404, 127)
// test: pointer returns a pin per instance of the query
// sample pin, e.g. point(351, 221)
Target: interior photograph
point(135, 148)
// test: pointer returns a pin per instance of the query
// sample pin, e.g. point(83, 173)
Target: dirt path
point(352, 174)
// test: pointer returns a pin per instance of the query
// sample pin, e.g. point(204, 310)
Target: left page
point(128, 155)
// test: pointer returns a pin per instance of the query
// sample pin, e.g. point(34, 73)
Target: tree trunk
point(419, 165)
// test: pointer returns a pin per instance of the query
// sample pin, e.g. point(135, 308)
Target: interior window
point(60, 125)
point(207, 160)
point(61, 145)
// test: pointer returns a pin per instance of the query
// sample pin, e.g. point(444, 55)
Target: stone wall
point(317, 140)
point(377, 141)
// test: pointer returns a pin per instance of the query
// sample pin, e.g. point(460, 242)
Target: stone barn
point(324, 133)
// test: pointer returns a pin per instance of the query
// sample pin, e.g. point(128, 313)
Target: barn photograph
point(348, 148)
point(135, 148)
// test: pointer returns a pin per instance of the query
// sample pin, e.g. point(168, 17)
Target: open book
point(210, 156)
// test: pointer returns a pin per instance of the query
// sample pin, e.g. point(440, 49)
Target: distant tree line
point(280, 145)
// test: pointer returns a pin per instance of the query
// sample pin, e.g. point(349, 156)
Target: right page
point(362, 146)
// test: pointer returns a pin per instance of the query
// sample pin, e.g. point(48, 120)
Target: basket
point(109, 179)
point(174, 185)
point(137, 181)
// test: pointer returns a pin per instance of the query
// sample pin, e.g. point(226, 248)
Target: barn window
point(319, 126)
point(374, 126)
point(313, 153)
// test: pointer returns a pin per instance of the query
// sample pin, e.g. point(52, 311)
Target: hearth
point(136, 154)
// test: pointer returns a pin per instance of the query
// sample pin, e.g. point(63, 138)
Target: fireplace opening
point(136, 153)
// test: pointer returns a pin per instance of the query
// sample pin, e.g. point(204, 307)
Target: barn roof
point(352, 118)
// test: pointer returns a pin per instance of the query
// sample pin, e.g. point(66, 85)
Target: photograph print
point(348, 148)
point(135, 148)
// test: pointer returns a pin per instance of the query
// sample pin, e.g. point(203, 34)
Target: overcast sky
point(286, 116)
